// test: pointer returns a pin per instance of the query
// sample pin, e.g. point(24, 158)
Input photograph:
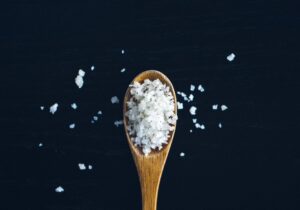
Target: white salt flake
point(191, 97)
point(79, 81)
point(92, 68)
point(114, 100)
point(151, 114)
point(202, 127)
point(90, 167)
point(72, 126)
point(123, 70)
point(118, 122)
point(81, 73)
point(230, 57)
point(194, 120)
point(200, 88)
point(192, 88)
point(74, 106)
point(122, 51)
point(179, 105)
point(223, 107)
point(53, 108)
point(59, 189)
point(40, 144)
point(92, 121)
point(81, 166)
point(197, 125)
point(95, 118)
point(99, 112)
point(42, 107)
point(193, 110)
point(220, 125)
point(191, 131)
point(182, 154)
point(215, 106)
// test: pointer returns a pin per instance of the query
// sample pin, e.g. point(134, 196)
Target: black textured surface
point(252, 162)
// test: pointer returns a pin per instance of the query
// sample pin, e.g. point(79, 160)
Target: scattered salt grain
point(220, 125)
point(74, 105)
point(90, 167)
point(200, 88)
point(191, 131)
point(231, 57)
point(95, 118)
point(191, 97)
point(92, 68)
point(183, 95)
point(81, 73)
point(92, 121)
point(59, 189)
point(122, 51)
point(79, 81)
point(197, 125)
point(182, 154)
point(40, 144)
point(72, 126)
point(193, 110)
point(114, 100)
point(53, 108)
point(42, 107)
point(151, 114)
point(99, 112)
point(224, 107)
point(81, 166)
point(123, 70)
point(118, 122)
point(215, 106)
point(179, 105)
point(192, 88)
point(194, 120)
point(202, 127)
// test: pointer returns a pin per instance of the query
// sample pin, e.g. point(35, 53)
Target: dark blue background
point(252, 162)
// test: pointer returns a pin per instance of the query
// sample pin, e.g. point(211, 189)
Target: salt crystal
point(191, 97)
point(59, 189)
point(74, 105)
point(194, 120)
point(191, 131)
point(79, 81)
point(81, 166)
point(92, 121)
point(72, 126)
point(215, 106)
point(42, 107)
point(92, 68)
point(182, 154)
point(95, 118)
point(123, 70)
point(224, 107)
point(202, 127)
point(220, 125)
point(122, 51)
point(118, 122)
point(200, 88)
point(231, 57)
point(53, 108)
point(81, 73)
point(179, 105)
point(151, 114)
point(193, 110)
point(40, 144)
point(99, 112)
point(90, 167)
point(114, 100)
point(197, 125)
point(192, 88)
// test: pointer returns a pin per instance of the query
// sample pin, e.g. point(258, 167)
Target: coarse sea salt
point(53, 108)
point(42, 107)
point(224, 107)
point(193, 110)
point(79, 78)
point(114, 100)
point(220, 125)
point(151, 114)
point(118, 123)
point(72, 126)
point(59, 189)
point(92, 68)
point(179, 105)
point(123, 70)
point(191, 97)
point(215, 106)
point(182, 154)
point(99, 112)
point(230, 57)
point(192, 88)
point(40, 144)
point(74, 106)
point(81, 166)
point(90, 167)
point(201, 88)
point(122, 51)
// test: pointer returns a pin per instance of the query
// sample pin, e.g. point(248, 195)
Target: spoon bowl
point(149, 167)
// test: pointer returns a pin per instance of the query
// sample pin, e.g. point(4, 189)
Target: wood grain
point(150, 168)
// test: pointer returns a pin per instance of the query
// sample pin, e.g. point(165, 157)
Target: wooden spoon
point(149, 167)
